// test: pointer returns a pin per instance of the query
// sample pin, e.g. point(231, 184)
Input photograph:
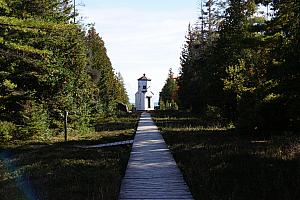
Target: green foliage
point(4, 7)
point(244, 64)
point(198, 76)
point(9, 85)
point(49, 10)
point(168, 96)
point(7, 131)
point(121, 93)
point(49, 65)
point(110, 87)
point(236, 79)
point(36, 121)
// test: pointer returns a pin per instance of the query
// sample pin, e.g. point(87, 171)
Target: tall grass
point(39, 169)
point(220, 163)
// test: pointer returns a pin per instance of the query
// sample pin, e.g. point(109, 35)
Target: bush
point(36, 122)
point(213, 112)
point(7, 131)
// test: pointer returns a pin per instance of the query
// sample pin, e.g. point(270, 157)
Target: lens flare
point(23, 185)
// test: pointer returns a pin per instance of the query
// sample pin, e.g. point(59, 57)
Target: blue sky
point(142, 36)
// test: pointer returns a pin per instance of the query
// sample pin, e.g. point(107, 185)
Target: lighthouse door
point(149, 102)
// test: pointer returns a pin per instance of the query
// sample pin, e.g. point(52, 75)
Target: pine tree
point(168, 95)
point(187, 81)
point(245, 64)
point(121, 90)
point(110, 87)
point(284, 68)
point(42, 62)
point(196, 72)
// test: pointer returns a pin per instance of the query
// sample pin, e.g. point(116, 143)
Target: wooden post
point(66, 124)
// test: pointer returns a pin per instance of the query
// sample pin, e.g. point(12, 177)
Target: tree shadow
point(62, 171)
point(113, 126)
point(221, 164)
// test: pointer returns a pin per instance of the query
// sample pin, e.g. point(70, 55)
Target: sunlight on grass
point(190, 128)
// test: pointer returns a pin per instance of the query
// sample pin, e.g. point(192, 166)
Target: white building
point(143, 97)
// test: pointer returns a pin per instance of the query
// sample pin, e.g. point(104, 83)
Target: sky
point(142, 36)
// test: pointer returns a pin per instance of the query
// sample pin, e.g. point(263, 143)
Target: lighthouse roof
point(144, 78)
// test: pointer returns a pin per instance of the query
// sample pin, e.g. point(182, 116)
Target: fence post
point(66, 124)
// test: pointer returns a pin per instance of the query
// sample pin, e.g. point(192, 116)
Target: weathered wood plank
point(152, 172)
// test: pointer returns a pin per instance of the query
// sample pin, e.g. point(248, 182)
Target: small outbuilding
point(144, 95)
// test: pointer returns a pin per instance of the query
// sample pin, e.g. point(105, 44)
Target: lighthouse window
point(144, 87)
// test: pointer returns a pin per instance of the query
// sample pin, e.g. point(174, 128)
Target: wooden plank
point(105, 145)
point(151, 171)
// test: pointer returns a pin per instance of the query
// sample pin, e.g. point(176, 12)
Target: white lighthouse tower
point(143, 97)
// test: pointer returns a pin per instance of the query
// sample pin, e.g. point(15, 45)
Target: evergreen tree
point(168, 95)
point(196, 71)
point(121, 90)
point(38, 62)
point(49, 65)
point(49, 10)
point(244, 64)
point(187, 82)
point(100, 68)
point(284, 69)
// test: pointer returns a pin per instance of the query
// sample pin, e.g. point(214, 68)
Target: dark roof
point(144, 78)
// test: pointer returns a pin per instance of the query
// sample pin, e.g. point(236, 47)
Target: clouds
point(141, 40)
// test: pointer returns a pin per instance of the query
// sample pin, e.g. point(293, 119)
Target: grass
point(58, 170)
point(220, 163)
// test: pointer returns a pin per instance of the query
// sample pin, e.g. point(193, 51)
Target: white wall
point(141, 101)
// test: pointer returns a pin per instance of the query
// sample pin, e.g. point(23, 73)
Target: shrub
point(7, 131)
point(36, 122)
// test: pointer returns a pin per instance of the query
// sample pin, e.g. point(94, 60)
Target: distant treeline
point(243, 64)
point(49, 64)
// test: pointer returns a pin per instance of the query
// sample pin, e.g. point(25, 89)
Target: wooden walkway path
point(151, 171)
point(105, 145)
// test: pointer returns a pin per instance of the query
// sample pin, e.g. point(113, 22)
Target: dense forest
point(49, 64)
point(241, 62)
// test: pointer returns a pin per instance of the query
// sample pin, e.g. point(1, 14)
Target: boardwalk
point(152, 172)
